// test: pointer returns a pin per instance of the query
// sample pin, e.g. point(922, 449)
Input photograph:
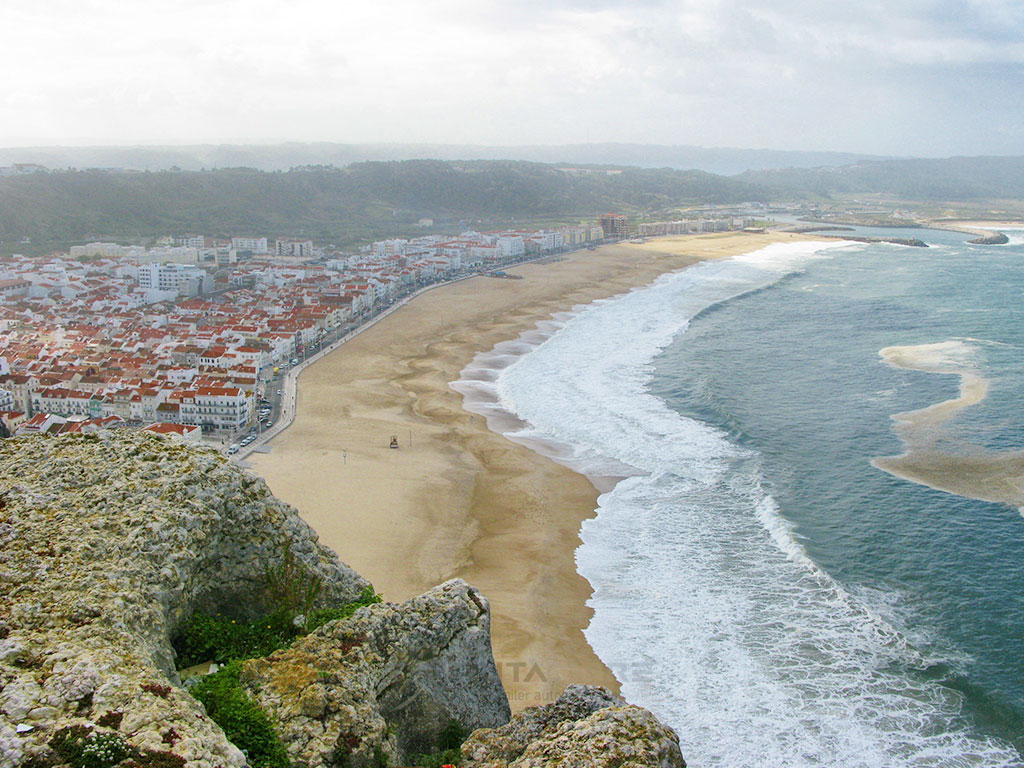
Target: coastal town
point(193, 335)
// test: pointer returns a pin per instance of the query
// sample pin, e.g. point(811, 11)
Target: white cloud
point(784, 74)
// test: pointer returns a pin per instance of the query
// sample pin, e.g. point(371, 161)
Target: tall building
point(614, 225)
point(186, 280)
point(299, 249)
point(254, 244)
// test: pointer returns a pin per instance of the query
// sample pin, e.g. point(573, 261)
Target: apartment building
point(253, 244)
point(183, 279)
point(299, 249)
point(216, 408)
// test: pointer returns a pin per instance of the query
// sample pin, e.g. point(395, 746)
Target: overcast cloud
point(922, 77)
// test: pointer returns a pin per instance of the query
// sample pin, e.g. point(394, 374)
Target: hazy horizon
point(900, 78)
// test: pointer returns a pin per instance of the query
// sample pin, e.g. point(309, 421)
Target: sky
point(893, 77)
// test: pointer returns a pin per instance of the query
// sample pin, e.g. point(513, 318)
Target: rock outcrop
point(990, 238)
point(586, 727)
point(385, 682)
point(109, 541)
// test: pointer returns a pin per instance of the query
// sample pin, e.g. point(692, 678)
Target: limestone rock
point(384, 683)
point(107, 541)
point(586, 727)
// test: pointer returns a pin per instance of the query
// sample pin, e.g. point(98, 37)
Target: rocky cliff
point(110, 542)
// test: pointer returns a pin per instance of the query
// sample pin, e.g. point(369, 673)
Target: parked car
point(233, 448)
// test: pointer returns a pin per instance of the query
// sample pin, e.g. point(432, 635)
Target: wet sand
point(456, 499)
point(970, 471)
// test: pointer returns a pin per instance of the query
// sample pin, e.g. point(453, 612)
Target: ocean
point(767, 579)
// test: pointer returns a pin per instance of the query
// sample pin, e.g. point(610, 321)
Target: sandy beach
point(457, 499)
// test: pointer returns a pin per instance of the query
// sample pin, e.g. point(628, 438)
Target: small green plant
point(290, 586)
point(318, 618)
point(68, 742)
point(246, 725)
point(102, 750)
point(450, 742)
point(452, 735)
point(80, 747)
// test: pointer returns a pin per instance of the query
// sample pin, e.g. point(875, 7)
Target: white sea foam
point(1015, 235)
point(707, 607)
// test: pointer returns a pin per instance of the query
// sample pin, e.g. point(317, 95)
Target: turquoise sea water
point(793, 372)
point(758, 583)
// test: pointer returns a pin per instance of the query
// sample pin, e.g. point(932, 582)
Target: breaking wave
point(708, 609)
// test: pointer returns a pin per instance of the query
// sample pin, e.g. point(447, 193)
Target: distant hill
point(364, 200)
point(954, 178)
point(281, 157)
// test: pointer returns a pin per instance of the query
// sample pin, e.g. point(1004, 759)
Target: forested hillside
point(281, 157)
point(954, 179)
point(335, 205)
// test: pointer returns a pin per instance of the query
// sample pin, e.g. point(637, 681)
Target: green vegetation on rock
point(221, 639)
point(246, 725)
point(229, 641)
point(450, 742)
point(80, 747)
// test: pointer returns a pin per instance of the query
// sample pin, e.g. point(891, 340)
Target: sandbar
point(928, 456)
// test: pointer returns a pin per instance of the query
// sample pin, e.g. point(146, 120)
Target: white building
point(225, 408)
point(547, 241)
point(105, 250)
point(63, 402)
point(184, 280)
point(511, 246)
point(254, 244)
point(13, 288)
point(192, 241)
point(383, 249)
point(225, 256)
point(170, 255)
point(483, 254)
